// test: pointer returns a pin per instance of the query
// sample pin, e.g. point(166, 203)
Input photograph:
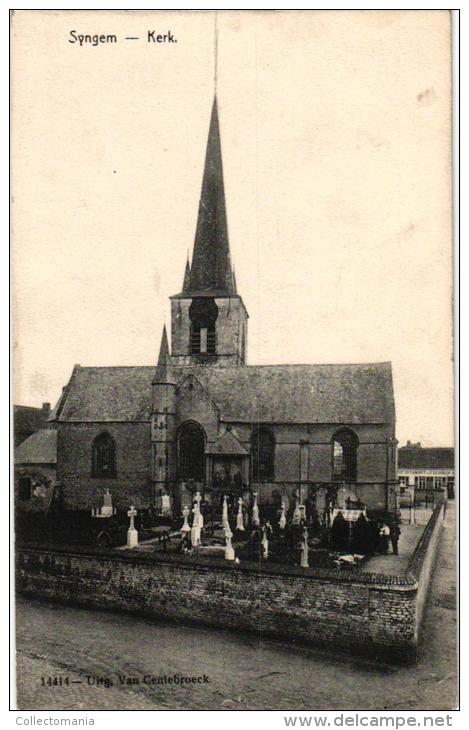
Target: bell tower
point(208, 318)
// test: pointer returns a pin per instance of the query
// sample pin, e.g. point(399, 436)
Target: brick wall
point(133, 464)
point(367, 614)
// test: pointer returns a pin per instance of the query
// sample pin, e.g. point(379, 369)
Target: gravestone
point(132, 534)
point(283, 518)
point(165, 505)
point(239, 519)
point(229, 550)
point(305, 550)
point(196, 528)
point(224, 518)
point(106, 509)
point(186, 527)
point(255, 511)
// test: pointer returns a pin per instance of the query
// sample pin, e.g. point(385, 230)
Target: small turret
point(163, 426)
point(163, 373)
point(187, 275)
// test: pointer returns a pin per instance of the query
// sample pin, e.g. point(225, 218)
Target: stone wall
point(133, 464)
point(367, 614)
point(423, 562)
point(361, 613)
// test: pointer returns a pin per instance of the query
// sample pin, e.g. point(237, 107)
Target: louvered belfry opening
point(203, 314)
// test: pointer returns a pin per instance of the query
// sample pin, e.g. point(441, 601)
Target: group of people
point(364, 537)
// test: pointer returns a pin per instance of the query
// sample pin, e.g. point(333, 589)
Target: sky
point(336, 136)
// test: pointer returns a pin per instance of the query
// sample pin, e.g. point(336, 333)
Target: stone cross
point(132, 513)
point(132, 534)
point(255, 511)
point(239, 518)
point(198, 516)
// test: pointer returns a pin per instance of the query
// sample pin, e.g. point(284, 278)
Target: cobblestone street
point(244, 671)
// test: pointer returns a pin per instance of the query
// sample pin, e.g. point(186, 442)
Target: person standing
point(395, 532)
point(385, 534)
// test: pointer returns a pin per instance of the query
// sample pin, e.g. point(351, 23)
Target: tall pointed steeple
point(211, 264)
point(163, 368)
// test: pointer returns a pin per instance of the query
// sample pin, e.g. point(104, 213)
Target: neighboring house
point(28, 420)
point(426, 469)
point(35, 470)
point(203, 418)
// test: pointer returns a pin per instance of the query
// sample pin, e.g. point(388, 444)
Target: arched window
point(191, 451)
point(344, 455)
point(104, 456)
point(262, 455)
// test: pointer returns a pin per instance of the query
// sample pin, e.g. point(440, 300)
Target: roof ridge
point(116, 367)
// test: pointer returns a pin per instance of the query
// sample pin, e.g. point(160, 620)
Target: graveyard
point(285, 569)
point(230, 529)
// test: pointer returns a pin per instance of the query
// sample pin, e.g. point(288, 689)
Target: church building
point(202, 419)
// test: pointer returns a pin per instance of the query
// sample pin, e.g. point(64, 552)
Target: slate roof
point(425, 458)
point(27, 420)
point(106, 394)
point(40, 448)
point(226, 445)
point(267, 393)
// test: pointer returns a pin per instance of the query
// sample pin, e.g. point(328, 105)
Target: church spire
point(211, 265)
point(163, 368)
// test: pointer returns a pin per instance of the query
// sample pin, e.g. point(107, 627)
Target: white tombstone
point(305, 550)
point(165, 505)
point(198, 514)
point(296, 515)
point(106, 509)
point(255, 511)
point(196, 529)
point(185, 528)
point(239, 518)
point(132, 534)
point(224, 518)
point(229, 550)
point(265, 543)
point(282, 523)
point(195, 535)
